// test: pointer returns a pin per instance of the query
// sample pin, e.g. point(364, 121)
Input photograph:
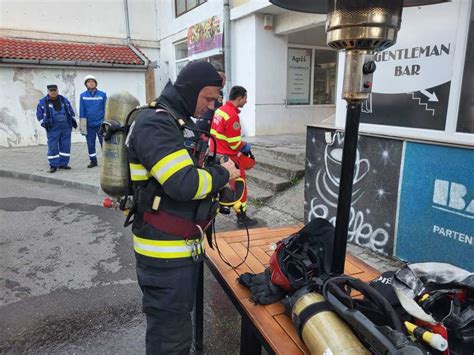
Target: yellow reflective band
point(234, 146)
point(165, 249)
point(138, 172)
point(218, 135)
point(234, 139)
point(225, 138)
point(205, 184)
point(170, 165)
point(221, 113)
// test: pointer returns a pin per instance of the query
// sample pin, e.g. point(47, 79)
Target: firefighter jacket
point(170, 183)
point(226, 129)
point(92, 107)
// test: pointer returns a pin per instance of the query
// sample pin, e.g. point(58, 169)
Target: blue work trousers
point(92, 133)
point(59, 144)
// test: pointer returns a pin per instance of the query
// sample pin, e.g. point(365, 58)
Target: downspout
point(227, 52)
point(150, 74)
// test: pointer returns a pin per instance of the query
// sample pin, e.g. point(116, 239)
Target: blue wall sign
point(436, 218)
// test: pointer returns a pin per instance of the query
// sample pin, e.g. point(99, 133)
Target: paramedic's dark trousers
point(168, 299)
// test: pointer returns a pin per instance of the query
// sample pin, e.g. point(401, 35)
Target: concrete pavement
point(285, 208)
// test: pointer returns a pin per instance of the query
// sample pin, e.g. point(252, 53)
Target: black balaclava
point(192, 79)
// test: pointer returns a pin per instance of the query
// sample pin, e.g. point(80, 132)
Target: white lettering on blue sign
point(452, 197)
point(449, 233)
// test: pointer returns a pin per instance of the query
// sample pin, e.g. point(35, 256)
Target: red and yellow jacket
point(226, 129)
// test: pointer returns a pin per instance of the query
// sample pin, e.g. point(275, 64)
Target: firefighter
point(174, 201)
point(226, 129)
point(92, 108)
point(56, 116)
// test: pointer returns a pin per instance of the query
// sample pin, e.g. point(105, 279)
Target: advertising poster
point(436, 221)
point(406, 91)
point(375, 186)
point(205, 36)
point(299, 76)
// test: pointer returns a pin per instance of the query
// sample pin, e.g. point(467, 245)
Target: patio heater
point(359, 28)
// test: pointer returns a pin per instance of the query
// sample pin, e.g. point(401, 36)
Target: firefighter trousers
point(168, 299)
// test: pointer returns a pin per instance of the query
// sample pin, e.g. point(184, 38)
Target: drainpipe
point(227, 53)
point(127, 20)
point(150, 74)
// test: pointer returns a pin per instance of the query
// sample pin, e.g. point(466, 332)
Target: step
point(266, 180)
point(256, 193)
point(281, 168)
point(292, 155)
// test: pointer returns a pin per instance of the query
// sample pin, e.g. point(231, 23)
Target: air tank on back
point(114, 167)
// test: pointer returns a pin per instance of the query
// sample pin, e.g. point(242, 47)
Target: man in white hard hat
point(92, 108)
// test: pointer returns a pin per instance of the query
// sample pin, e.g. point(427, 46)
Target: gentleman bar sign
point(413, 81)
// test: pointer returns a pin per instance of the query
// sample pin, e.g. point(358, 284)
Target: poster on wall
point(414, 78)
point(299, 76)
point(205, 36)
point(436, 221)
point(375, 189)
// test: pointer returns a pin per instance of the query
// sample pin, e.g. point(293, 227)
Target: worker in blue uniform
point(56, 115)
point(92, 108)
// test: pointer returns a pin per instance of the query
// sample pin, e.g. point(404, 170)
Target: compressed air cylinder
point(114, 170)
point(324, 332)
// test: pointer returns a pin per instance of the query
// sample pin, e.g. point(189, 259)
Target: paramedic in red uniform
point(227, 132)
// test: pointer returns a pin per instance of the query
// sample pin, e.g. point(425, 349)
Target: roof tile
point(13, 48)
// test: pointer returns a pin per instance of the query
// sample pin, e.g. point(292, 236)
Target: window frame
point(177, 61)
point(199, 3)
point(313, 61)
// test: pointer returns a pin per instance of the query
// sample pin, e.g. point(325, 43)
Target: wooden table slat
point(275, 335)
point(287, 325)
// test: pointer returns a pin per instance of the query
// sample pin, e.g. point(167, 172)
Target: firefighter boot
point(245, 221)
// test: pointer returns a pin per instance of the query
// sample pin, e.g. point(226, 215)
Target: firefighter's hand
point(229, 165)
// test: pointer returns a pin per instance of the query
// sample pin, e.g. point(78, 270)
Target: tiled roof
point(80, 53)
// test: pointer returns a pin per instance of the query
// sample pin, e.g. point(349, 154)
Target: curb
point(50, 180)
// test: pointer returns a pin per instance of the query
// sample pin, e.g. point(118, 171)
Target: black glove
point(46, 125)
point(262, 288)
point(73, 123)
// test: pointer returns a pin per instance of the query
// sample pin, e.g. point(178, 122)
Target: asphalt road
point(67, 278)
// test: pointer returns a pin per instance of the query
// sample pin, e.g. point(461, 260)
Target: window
point(324, 77)
point(183, 6)
point(311, 76)
point(181, 54)
point(466, 108)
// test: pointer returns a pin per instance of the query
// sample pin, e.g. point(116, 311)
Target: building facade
point(61, 43)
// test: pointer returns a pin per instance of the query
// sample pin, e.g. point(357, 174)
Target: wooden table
point(261, 325)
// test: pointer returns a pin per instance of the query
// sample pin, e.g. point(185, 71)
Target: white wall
point(272, 116)
point(174, 29)
point(104, 18)
point(18, 123)
point(244, 68)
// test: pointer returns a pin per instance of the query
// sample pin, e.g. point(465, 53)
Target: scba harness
point(149, 200)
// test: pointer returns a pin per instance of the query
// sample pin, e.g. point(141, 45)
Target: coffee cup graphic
point(333, 162)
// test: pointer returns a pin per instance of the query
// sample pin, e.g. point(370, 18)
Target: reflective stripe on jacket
point(92, 107)
point(157, 156)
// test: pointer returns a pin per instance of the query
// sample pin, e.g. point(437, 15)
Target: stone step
point(256, 193)
point(292, 155)
point(266, 180)
point(281, 168)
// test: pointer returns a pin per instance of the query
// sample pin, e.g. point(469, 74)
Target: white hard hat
point(90, 77)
